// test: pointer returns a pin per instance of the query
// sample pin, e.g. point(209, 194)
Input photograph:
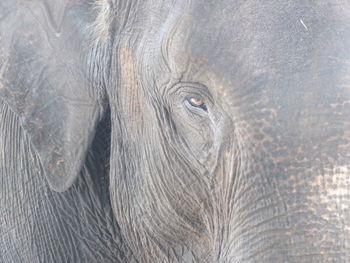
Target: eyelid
point(193, 89)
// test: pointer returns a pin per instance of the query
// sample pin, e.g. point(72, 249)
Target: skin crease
point(216, 131)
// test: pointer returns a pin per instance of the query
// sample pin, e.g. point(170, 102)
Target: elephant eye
point(197, 102)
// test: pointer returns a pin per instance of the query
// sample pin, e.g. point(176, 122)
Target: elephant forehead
point(265, 50)
point(234, 38)
point(205, 38)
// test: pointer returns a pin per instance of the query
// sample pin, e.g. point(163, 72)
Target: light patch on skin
point(334, 191)
point(339, 178)
point(130, 92)
point(328, 198)
point(2, 86)
point(335, 105)
point(336, 200)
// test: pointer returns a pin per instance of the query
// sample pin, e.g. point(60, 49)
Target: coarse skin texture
point(105, 157)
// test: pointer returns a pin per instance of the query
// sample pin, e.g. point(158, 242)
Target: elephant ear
point(43, 81)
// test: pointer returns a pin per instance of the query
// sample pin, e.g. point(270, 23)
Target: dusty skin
point(175, 131)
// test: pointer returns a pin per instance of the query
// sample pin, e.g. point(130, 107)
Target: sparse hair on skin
point(101, 25)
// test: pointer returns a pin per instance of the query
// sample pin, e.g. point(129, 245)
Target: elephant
point(175, 131)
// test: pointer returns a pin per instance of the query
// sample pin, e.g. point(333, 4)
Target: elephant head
point(229, 124)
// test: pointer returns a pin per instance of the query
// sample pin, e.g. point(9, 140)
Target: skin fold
point(174, 131)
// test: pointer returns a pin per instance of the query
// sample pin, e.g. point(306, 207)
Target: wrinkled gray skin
point(104, 157)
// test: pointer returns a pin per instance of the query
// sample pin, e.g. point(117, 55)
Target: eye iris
point(198, 103)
